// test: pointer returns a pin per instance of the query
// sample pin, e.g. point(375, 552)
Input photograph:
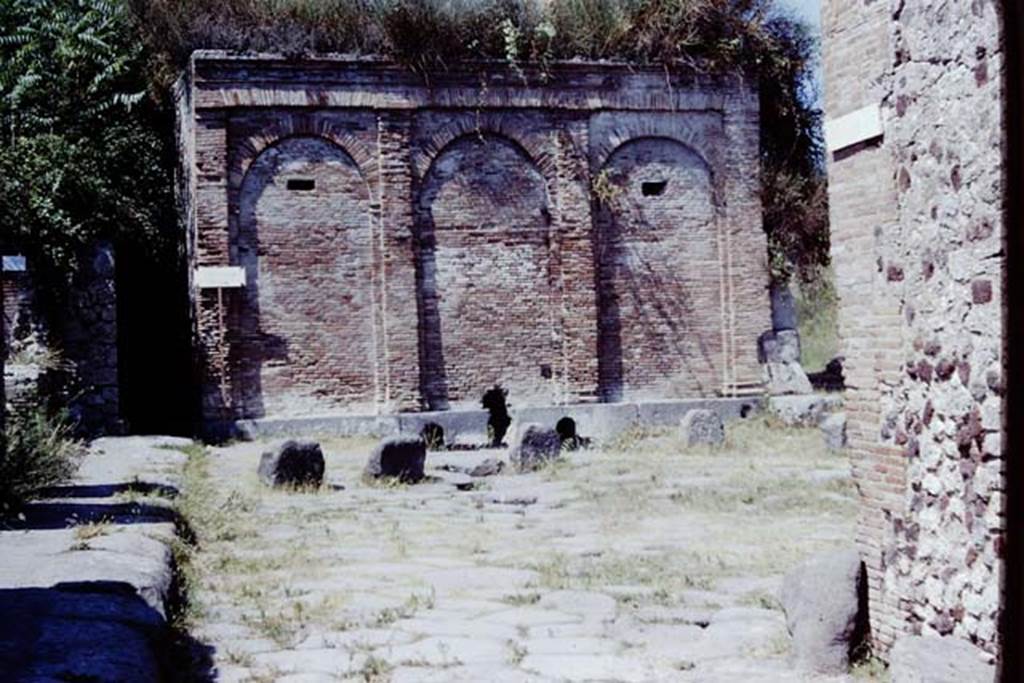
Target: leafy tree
point(83, 151)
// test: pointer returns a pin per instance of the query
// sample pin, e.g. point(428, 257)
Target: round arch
point(289, 127)
point(485, 273)
point(303, 331)
point(659, 273)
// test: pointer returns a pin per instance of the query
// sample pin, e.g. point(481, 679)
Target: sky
point(809, 10)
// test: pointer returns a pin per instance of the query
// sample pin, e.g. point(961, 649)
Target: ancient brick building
point(366, 240)
point(914, 100)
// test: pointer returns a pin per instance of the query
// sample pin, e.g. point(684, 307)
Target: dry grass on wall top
point(434, 33)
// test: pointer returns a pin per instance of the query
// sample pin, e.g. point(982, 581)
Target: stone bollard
point(533, 446)
point(823, 600)
point(401, 457)
point(702, 427)
point(293, 463)
point(833, 431)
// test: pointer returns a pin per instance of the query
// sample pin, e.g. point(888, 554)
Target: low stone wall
point(469, 427)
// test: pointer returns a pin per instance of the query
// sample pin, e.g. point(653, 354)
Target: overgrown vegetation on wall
point(84, 152)
point(750, 36)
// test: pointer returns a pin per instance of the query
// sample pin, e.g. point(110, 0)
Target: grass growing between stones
point(643, 524)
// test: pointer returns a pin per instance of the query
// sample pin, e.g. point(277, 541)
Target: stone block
point(833, 431)
point(807, 410)
point(534, 445)
point(786, 378)
point(782, 346)
point(822, 599)
point(293, 463)
point(401, 457)
point(933, 659)
point(702, 427)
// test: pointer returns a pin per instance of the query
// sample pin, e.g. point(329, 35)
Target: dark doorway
point(157, 389)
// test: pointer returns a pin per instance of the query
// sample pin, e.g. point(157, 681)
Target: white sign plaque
point(220, 277)
point(858, 126)
point(15, 263)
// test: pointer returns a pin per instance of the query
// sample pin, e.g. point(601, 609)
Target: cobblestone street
point(638, 561)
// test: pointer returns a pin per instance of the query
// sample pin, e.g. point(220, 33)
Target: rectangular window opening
point(654, 188)
point(301, 184)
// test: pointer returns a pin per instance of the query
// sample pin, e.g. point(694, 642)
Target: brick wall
point(451, 240)
point(917, 247)
point(660, 284)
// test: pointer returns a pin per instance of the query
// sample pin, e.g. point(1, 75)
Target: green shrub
point(817, 309)
point(40, 452)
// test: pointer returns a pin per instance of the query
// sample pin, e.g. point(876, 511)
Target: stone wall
point(589, 233)
point(67, 345)
point(916, 210)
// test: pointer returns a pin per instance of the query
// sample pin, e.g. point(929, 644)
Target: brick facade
point(917, 233)
point(407, 243)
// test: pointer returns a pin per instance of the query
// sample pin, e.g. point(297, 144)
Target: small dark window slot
point(653, 188)
point(301, 184)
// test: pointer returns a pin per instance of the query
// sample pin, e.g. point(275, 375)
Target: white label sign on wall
point(15, 263)
point(850, 129)
point(220, 277)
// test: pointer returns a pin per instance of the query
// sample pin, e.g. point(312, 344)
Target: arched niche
point(303, 334)
point(485, 280)
point(659, 273)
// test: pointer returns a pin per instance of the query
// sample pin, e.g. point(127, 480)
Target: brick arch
point(691, 142)
point(485, 274)
point(303, 252)
point(537, 148)
point(659, 274)
point(297, 127)
point(669, 129)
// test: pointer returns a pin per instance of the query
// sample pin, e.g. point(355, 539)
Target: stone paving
point(86, 571)
point(640, 560)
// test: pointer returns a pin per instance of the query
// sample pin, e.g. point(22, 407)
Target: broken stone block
point(931, 659)
point(293, 463)
point(401, 457)
point(533, 446)
point(487, 468)
point(822, 599)
point(833, 430)
point(786, 378)
point(808, 410)
point(702, 427)
point(782, 346)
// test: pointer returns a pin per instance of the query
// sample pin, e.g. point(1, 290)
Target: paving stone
point(589, 667)
point(323, 661)
point(491, 673)
point(571, 646)
point(531, 617)
point(447, 650)
point(357, 639)
point(586, 604)
point(468, 627)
